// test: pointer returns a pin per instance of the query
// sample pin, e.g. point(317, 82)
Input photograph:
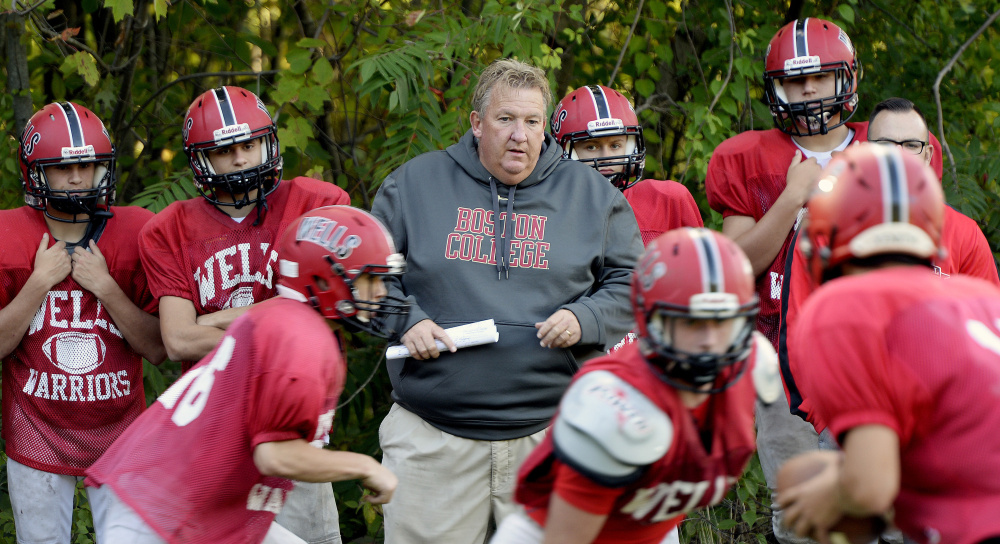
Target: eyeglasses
point(913, 146)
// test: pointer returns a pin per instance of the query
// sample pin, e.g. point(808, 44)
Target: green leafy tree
point(358, 88)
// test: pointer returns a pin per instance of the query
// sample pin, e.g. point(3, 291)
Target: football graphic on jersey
point(239, 298)
point(75, 352)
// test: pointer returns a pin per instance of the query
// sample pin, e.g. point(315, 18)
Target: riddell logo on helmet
point(328, 234)
point(799, 64)
point(601, 125)
point(78, 152)
point(231, 131)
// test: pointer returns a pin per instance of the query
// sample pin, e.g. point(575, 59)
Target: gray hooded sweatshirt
point(572, 241)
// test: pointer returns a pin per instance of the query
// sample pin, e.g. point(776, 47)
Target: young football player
point(209, 259)
point(213, 459)
point(77, 319)
point(598, 126)
point(890, 354)
point(759, 180)
point(893, 122)
point(665, 425)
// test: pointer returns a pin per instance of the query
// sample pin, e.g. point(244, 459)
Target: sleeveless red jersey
point(687, 477)
point(186, 465)
point(662, 205)
point(73, 384)
point(193, 251)
point(966, 252)
point(903, 349)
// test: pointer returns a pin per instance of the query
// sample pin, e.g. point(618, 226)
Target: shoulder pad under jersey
point(766, 374)
point(608, 430)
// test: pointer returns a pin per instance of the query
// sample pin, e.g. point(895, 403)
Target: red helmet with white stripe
point(67, 133)
point(694, 274)
point(807, 47)
point(597, 111)
point(220, 118)
point(321, 255)
point(873, 201)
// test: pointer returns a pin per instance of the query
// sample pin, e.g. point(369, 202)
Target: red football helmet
point(693, 274)
point(805, 47)
point(873, 200)
point(323, 252)
point(67, 133)
point(596, 111)
point(222, 117)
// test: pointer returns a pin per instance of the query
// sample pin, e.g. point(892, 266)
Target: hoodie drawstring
point(501, 243)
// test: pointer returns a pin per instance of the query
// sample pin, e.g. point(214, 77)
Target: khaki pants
point(451, 490)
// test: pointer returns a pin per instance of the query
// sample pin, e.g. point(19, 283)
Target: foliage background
point(357, 88)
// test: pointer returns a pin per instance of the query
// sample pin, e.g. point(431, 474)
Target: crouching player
point(665, 425)
point(894, 358)
point(212, 460)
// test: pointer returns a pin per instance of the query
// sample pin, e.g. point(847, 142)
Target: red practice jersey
point(662, 205)
point(687, 477)
point(903, 349)
point(745, 177)
point(966, 252)
point(73, 384)
point(186, 466)
point(659, 206)
point(193, 251)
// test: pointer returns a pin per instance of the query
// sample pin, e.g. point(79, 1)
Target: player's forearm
point(223, 318)
point(870, 477)
point(567, 524)
point(297, 460)
point(189, 342)
point(138, 328)
point(763, 241)
point(16, 316)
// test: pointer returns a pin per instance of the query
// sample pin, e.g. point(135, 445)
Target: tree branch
point(902, 24)
point(28, 9)
point(18, 77)
point(937, 91)
point(628, 39)
point(188, 77)
point(725, 82)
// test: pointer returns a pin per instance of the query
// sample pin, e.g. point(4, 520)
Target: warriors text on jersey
point(73, 384)
point(186, 466)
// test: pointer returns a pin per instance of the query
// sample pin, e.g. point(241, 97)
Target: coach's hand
point(52, 264)
point(382, 483)
point(560, 330)
point(420, 340)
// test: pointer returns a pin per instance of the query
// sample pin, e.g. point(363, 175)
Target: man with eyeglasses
point(893, 122)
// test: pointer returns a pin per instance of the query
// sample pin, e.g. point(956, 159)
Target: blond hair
point(513, 74)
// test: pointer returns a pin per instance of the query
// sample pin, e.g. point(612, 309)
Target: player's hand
point(382, 483)
point(813, 506)
point(52, 264)
point(560, 330)
point(420, 340)
point(90, 270)
point(802, 177)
